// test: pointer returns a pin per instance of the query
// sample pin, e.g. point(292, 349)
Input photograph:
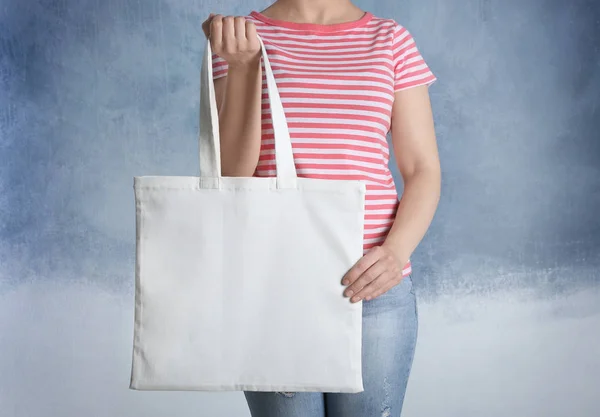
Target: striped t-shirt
point(337, 85)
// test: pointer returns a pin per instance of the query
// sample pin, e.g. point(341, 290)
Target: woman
point(346, 78)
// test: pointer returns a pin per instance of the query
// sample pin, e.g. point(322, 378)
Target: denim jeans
point(389, 338)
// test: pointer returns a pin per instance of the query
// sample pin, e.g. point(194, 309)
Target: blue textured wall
point(93, 92)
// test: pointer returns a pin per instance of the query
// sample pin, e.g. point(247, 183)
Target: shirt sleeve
point(410, 69)
point(219, 66)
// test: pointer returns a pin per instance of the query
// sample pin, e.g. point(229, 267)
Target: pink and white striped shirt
point(337, 85)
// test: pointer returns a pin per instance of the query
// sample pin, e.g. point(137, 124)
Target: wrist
point(245, 65)
point(396, 249)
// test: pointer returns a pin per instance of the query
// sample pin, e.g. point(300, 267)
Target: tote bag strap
point(209, 147)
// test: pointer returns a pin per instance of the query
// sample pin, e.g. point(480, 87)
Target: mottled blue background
point(93, 92)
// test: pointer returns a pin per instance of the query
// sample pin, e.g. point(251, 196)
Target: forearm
point(415, 212)
point(240, 120)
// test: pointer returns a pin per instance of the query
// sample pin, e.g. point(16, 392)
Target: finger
point(239, 24)
point(229, 41)
point(365, 279)
point(250, 30)
point(362, 265)
point(216, 32)
point(206, 25)
point(378, 287)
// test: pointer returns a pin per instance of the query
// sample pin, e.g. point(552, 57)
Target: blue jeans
point(389, 338)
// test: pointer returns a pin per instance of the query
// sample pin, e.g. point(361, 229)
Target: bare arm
point(239, 103)
point(238, 94)
point(415, 148)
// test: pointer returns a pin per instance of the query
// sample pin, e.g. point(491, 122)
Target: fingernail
point(349, 293)
point(345, 282)
point(355, 299)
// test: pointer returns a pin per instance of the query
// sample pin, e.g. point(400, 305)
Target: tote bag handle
point(209, 146)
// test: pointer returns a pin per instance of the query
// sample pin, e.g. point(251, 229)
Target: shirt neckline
point(313, 26)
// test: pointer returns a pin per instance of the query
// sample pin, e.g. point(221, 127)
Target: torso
point(337, 90)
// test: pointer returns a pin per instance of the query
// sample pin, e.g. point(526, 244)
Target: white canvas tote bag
point(238, 280)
